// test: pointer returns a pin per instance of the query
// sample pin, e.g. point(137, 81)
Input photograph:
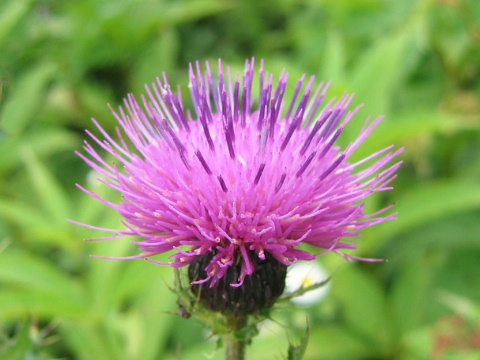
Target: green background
point(415, 61)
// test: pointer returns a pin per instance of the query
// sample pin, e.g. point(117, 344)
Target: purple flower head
point(233, 179)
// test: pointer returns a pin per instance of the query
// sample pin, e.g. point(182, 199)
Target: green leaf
point(418, 345)
point(193, 10)
point(22, 215)
point(334, 342)
point(10, 15)
point(89, 210)
point(147, 328)
point(404, 129)
point(137, 275)
point(460, 272)
point(378, 71)
point(424, 203)
point(333, 65)
point(411, 296)
point(296, 352)
point(89, 338)
point(42, 141)
point(19, 345)
point(456, 235)
point(29, 92)
point(162, 50)
point(467, 308)
point(50, 192)
point(363, 306)
point(27, 343)
point(35, 227)
point(46, 305)
point(28, 271)
point(103, 274)
point(94, 100)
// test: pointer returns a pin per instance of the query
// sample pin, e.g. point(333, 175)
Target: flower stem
point(234, 348)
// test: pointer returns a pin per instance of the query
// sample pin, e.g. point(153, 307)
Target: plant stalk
point(234, 348)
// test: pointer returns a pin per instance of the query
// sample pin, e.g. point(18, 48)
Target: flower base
point(259, 290)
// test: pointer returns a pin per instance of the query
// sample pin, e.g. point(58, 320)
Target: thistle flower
point(234, 185)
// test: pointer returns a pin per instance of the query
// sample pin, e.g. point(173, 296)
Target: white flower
point(305, 274)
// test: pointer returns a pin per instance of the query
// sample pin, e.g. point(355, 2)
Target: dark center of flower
point(259, 290)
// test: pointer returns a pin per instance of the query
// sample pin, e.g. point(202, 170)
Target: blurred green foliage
point(415, 61)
